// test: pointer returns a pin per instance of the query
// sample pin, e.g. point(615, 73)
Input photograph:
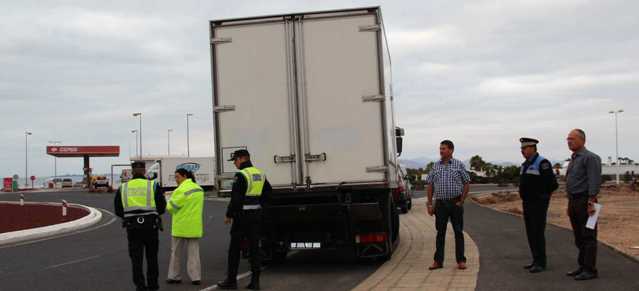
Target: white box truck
point(309, 96)
point(162, 169)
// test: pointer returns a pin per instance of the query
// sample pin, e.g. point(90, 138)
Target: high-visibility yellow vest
point(255, 180)
point(138, 197)
point(186, 206)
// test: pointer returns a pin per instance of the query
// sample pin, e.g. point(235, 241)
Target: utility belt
point(143, 222)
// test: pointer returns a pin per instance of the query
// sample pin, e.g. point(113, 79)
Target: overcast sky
point(482, 73)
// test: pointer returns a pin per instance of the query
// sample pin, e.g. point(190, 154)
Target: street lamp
point(168, 141)
point(188, 146)
point(55, 159)
point(615, 113)
point(135, 131)
point(26, 158)
point(139, 114)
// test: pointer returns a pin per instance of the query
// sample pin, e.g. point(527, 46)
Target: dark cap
point(527, 141)
point(238, 154)
point(138, 165)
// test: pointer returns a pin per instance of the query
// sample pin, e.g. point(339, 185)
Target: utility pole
point(168, 142)
point(615, 113)
point(26, 158)
point(188, 146)
point(55, 159)
point(139, 114)
point(135, 131)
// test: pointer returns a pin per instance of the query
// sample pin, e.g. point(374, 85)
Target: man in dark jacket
point(140, 202)
point(537, 182)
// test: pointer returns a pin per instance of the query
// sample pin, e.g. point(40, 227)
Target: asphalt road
point(504, 250)
point(97, 259)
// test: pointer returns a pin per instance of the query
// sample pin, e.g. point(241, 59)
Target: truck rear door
point(251, 94)
point(341, 102)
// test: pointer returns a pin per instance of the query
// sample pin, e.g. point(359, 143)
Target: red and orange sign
point(80, 151)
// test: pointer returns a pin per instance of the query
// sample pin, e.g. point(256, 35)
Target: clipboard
point(592, 220)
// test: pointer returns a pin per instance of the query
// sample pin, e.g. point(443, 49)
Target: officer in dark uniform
point(249, 194)
point(537, 182)
point(140, 202)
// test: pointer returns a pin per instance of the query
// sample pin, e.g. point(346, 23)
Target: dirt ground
point(618, 221)
point(14, 217)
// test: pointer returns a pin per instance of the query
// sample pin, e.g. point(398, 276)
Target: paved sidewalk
point(408, 268)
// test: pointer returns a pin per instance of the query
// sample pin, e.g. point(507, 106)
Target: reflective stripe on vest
point(138, 198)
point(254, 181)
point(534, 168)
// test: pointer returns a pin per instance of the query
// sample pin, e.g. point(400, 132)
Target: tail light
point(371, 238)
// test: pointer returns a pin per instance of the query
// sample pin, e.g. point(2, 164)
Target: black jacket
point(160, 201)
point(238, 193)
point(537, 186)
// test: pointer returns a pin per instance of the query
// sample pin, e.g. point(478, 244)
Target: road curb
point(19, 236)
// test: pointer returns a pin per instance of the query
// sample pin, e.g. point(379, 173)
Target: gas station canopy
point(82, 151)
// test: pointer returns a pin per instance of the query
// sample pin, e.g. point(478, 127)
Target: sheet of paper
point(592, 220)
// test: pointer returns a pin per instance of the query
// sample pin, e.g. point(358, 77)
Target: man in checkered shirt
point(448, 185)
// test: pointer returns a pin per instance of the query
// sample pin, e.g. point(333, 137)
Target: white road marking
point(72, 262)
point(239, 277)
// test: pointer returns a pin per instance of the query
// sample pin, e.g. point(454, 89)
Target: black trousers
point(535, 211)
point(585, 238)
point(144, 241)
point(446, 210)
point(246, 225)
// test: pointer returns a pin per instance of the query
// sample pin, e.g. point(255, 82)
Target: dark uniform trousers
point(246, 225)
point(144, 241)
point(535, 211)
point(446, 210)
point(585, 238)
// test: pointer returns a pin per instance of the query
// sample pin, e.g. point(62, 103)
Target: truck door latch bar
point(373, 98)
point(373, 27)
point(283, 159)
point(315, 158)
point(224, 108)
point(220, 40)
point(376, 169)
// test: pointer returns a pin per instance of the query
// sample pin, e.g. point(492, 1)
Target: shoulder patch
point(545, 165)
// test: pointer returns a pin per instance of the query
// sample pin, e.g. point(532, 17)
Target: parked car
point(403, 195)
point(67, 183)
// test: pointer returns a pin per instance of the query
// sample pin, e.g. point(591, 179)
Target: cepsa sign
point(79, 151)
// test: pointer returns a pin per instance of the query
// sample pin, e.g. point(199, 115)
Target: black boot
point(255, 282)
point(227, 284)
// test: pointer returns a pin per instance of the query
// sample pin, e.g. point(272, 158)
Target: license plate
point(305, 245)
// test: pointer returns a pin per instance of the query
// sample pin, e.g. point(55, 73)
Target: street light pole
point(168, 141)
point(55, 159)
point(135, 131)
point(188, 146)
point(616, 113)
point(139, 114)
point(26, 158)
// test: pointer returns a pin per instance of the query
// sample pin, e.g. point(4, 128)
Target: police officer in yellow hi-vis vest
point(140, 202)
point(185, 206)
point(249, 193)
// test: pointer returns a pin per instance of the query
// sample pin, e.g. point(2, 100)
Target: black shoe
point(171, 281)
point(536, 269)
point(196, 282)
point(529, 266)
point(227, 285)
point(586, 275)
point(575, 272)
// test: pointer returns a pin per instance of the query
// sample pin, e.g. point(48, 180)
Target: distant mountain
point(415, 163)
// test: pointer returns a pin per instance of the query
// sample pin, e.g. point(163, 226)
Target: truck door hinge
point(223, 108)
point(284, 159)
point(374, 98)
point(315, 158)
point(220, 40)
point(376, 169)
point(373, 27)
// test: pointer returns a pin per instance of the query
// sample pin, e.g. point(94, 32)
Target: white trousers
point(192, 248)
